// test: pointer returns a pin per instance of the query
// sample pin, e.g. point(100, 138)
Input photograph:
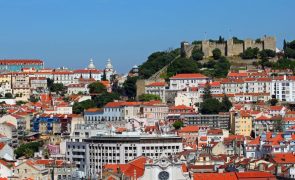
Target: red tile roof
point(234, 74)
point(20, 61)
point(215, 176)
point(262, 118)
point(157, 84)
point(276, 108)
point(255, 175)
point(181, 107)
point(189, 76)
point(189, 129)
point(284, 158)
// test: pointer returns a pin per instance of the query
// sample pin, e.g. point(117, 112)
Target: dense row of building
point(141, 140)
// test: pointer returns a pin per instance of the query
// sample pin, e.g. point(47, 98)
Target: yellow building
point(242, 124)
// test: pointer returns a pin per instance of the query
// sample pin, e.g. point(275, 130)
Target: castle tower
point(269, 42)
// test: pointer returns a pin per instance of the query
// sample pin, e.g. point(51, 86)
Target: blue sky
point(70, 32)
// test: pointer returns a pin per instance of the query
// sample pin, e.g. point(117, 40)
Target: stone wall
point(269, 42)
point(229, 48)
point(234, 49)
point(249, 43)
point(208, 47)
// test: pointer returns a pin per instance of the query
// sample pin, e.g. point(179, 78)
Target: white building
point(283, 88)
point(109, 70)
point(156, 88)
point(189, 97)
point(104, 149)
point(181, 81)
point(78, 88)
point(89, 72)
point(64, 76)
point(165, 168)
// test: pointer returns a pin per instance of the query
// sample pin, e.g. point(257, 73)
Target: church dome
point(91, 64)
point(109, 64)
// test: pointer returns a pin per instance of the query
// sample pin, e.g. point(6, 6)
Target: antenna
point(205, 35)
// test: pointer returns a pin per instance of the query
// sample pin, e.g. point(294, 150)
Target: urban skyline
point(128, 32)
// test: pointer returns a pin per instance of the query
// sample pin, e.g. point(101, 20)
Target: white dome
point(91, 65)
point(109, 64)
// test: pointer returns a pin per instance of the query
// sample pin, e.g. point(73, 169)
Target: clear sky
point(70, 32)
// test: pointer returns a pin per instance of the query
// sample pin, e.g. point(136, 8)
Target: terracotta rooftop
point(189, 76)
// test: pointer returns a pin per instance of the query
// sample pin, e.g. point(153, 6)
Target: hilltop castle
point(231, 47)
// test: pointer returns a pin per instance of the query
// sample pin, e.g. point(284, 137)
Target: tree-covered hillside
point(155, 62)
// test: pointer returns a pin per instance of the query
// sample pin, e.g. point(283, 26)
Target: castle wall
point(229, 48)
point(269, 43)
point(186, 49)
point(208, 47)
point(249, 43)
point(234, 49)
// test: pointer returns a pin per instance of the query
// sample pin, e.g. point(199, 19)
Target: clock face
point(164, 175)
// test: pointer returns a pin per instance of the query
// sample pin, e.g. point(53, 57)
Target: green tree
point(183, 65)
point(207, 91)
point(177, 124)
point(58, 88)
point(105, 98)
point(8, 95)
point(221, 68)
point(19, 103)
point(273, 101)
point(197, 54)
point(27, 149)
point(28, 153)
point(33, 98)
point(278, 125)
point(49, 83)
point(129, 87)
point(157, 61)
point(216, 53)
point(250, 53)
point(266, 54)
point(96, 88)
point(210, 106)
point(148, 97)
point(79, 107)
point(225, 104)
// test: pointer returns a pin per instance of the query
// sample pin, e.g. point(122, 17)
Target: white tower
point(109, 71)
point(91, 65)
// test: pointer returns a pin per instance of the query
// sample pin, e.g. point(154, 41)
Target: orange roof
point(254, 174)
point(20, 61)
point(215, 176)
point(234, 74)
point(289, 119)
point(214, 131)
point(189, 129)
point(121, 103)
point(212, 84)
point(276, 108)
point(2, 145)
point(181, 107)
point(189, 76)
point(262, 118)
point(157, 84)
point(203, 138)
point(284, 158)
point(136, 165)
point(255, 141)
